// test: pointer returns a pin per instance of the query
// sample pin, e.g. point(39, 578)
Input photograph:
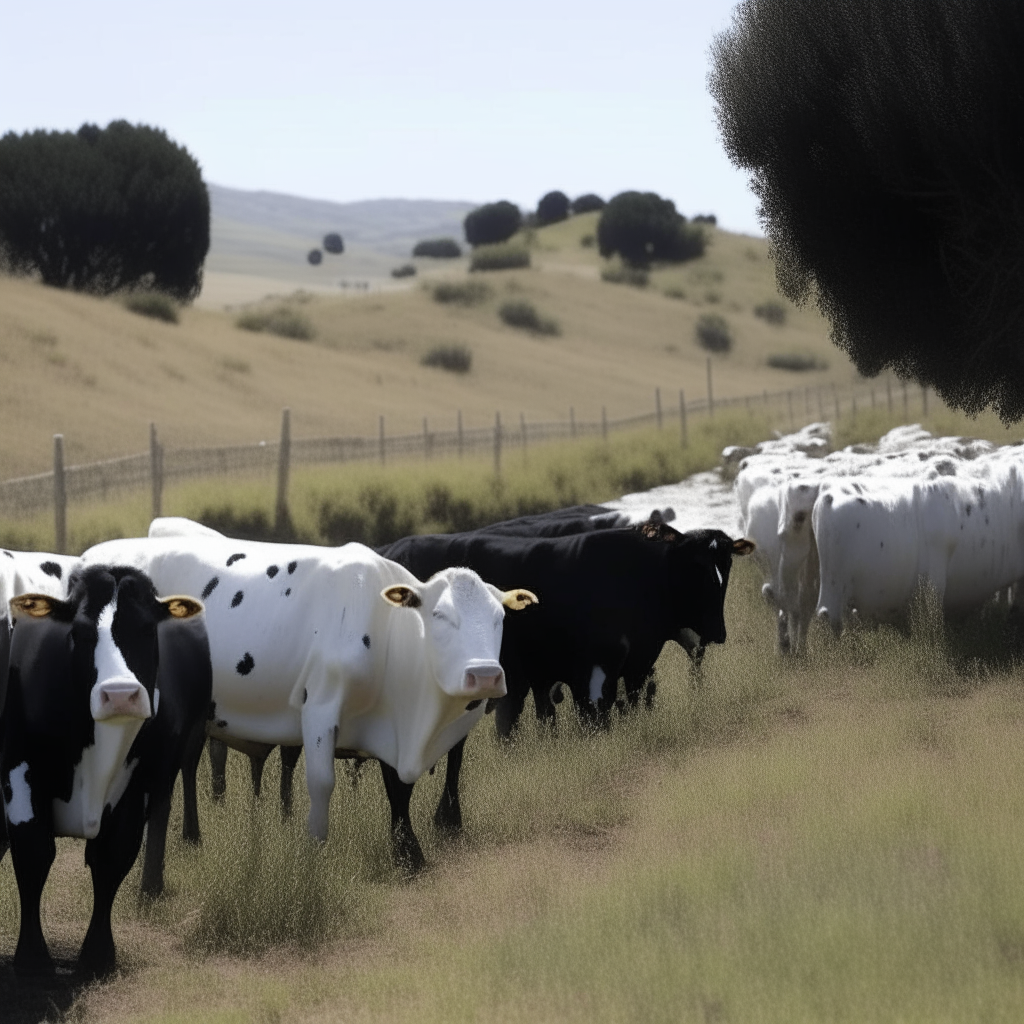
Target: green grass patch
point(284, 321)
point(155, 305)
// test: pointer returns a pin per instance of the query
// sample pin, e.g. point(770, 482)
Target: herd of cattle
point(117, 666)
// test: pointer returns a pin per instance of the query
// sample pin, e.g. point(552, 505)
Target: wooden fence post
point(657, 406)
point(888, 394)
point(711, 395)
point(156, 469)
point(821, 406)
point(906, 402)
point(60, 497)
point(835, 397)
point(459, 428)
point(789, 396)
point(497, 444)
point(924, 400)
point(684, 440)
point(853, 407)
point(284, 462)
point(381, 440)
point(604, 423)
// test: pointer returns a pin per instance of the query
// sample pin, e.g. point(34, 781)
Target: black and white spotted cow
point(106, 690)
point(339, 650)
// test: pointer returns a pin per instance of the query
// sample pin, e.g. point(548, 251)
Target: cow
point(339, 650)
point(107, 688)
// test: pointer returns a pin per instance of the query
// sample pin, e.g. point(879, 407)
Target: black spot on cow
point(52, 569)
point(210, 587)
point(246, 665)
point(292, 567)
point(235, 558)
point(968, 509)
point(272, 571)
point(305, 695)
point(366, 640)
point(8, 554)
point(212, 713)
point(862, 501)
point(881, 543)
point(222, 723)
point(473, 704)
point(318, 739)
point(237, 599)
point(288, 592)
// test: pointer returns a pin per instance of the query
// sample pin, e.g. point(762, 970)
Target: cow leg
point(110, 857)
point(5, 843)
point(319, 732)
point(405, 847)
point(257, 762)
point(156, 846)
point(218, 751)
point(33, 851)
point(189, 769)
point(289, 759)
point(506, 714)
point(448, 816)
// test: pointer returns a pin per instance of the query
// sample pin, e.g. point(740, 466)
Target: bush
point(153, 304)
point(456, 358)
point(492, 223)
point(643, 228)
point(675, 293)
point(552, 208)
point(500, 257)
point(588, 203)
point(438, 248)
point(796, 361)
point(315, 257)
point(618, 274)
point(283, 321)
point(333, 244)
point(104, 210)
point(772, 312)
point(713, 333)
point(405, 270)
point(461, 293)
point(523, 314)
point(705, 218)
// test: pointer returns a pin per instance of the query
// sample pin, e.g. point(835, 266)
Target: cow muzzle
point(119, 698)
point(484, 680)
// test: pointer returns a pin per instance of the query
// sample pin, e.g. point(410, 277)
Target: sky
point(444, 99)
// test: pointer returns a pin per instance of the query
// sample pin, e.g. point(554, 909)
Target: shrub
point(552, 208)
point(713, 333)
point(492, 223)
point(333, 244)
point(456, 358)
point(588, 203)
point(461, 293)
point(315, 257)
point(772, 312)
point(796, 361)
point(438, 248)
point(153, 304)
point(523, 314)
point(405, 270)
point(675, 293)
point(104, 210)
point(618, 274)
point(500, 257)
point(642, 228)
point(283, 321)
point(705, 218)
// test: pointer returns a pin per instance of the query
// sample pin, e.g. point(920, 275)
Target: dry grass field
point(99, 374)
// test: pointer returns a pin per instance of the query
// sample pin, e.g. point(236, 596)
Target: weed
point(155, 305)
point(282, 320)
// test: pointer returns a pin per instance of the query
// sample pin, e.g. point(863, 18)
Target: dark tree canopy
point(103, 209)
point(552, 208)
point(333, 243)
point(643, 228)
point(438, 248)
point(315, 257)
point(492, 222)
point(885, 142)
point(587, 203)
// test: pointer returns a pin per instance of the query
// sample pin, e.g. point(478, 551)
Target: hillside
point(99, 374)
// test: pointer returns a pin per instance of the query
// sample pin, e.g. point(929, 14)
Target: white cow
point(337, 649)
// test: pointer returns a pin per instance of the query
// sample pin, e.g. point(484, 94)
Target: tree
point(315, 257)
point(588, 203)
point(333, 244)
point(886, 146)
point(101, 210)
point(552, 208)
point(438, 248)
point(642, 228)
point(492, 222)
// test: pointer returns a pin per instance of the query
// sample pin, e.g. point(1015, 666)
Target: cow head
point(462, 622)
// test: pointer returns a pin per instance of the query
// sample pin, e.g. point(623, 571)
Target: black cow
point(107, 690)
point(566, 521)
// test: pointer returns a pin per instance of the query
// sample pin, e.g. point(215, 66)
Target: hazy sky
point(443, 99)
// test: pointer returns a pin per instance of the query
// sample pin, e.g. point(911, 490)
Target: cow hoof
point(34, 967)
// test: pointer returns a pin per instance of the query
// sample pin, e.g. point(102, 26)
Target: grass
point(284, 321)
point(523, 314)
point(619, 273)
point(154, 305)
point(461, 293)
point(456, 358)
point(505, 256)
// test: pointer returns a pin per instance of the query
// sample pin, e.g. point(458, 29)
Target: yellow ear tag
point(36, 605)
point(182, 607)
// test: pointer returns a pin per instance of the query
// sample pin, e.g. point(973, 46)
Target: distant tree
point(552, 208)
point(438, 248)
point(587, 203)
point(492, 222)
point(705, 218)
point(886, 146)
point(315, 257)
point(334, 244)
point(104, 209)
point(643, 228)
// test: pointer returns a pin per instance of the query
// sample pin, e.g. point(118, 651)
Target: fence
point(159, 465)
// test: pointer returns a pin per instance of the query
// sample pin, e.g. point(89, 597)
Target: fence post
point(888, 394)
point(789, 397)
point(682, 419)
point(835, 397)
point(657, 405)
point(604, 423)
point(821, 407)
point(156, 469)
point(426, 439)
point(924, 399)
point(906, 402)
point(284, 461)
point(381, 440)
point(853, 407)
point(572, 421)
point(459, 427)
point(60, 497)
point(497, 444)
point(711, 395)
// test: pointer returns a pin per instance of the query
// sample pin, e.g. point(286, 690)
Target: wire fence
point(790, 409)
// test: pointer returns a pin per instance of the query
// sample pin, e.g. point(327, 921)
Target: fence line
point(153, 469)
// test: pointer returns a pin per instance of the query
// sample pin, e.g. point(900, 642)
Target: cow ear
point(402, 596)
point(180, 607)
point(742, 546)
point(37, 606)
point(518, 599)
